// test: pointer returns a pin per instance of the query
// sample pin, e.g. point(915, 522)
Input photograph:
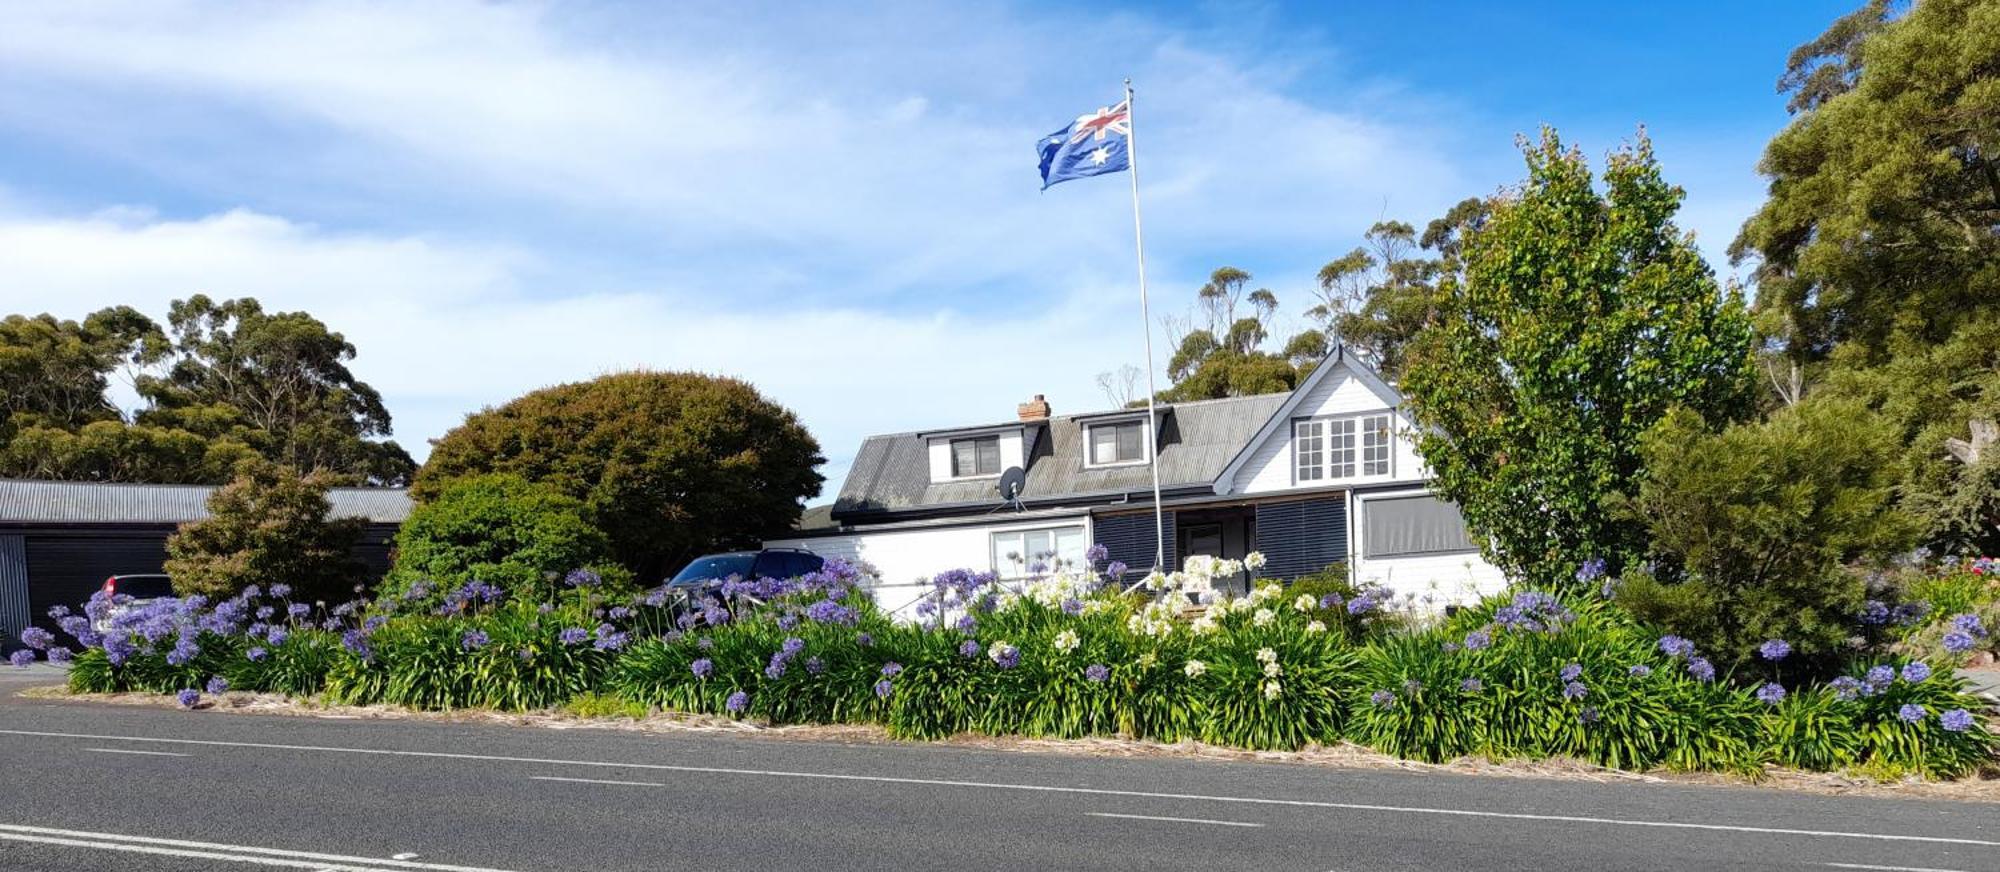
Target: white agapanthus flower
point(999, 651)
point(1273, 670)
point(1147, 660)
point(1263, 617)
point(1304, 602)
point(1316, 627)
point(1272, 690)
point(1266, 655)
point(1156, 580)
point(1254, 561)
point(1204, 625)
point(1066, 641)
point(1195, 668)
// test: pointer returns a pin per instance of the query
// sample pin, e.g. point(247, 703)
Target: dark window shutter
point(1301, 537)
point(1128, 539)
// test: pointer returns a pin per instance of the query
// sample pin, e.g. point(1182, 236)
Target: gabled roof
point(892, 472)
point(89, 502)
point(1338, 361)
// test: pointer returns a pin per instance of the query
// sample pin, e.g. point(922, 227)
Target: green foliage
point(1581, 319)
point(597, 705)
point(503, 530)
point(1757, 524)
point(669, 465)
point(1877, 268)
point(270, 525)
point(426, 661)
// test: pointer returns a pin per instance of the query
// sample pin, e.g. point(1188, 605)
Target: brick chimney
point(1036, 409)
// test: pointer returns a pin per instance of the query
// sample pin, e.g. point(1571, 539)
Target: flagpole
point(1146, 313)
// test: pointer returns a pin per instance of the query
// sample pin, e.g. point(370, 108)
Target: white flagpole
point(1146, 313)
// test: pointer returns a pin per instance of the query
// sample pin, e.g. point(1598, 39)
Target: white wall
point(1445, 579)
point(1341, 393)
point(904, 559)
point(1012, 453)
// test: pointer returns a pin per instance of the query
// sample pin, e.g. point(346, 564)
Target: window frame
point(1008, 571)
point(951, 456)
point(1337, 448)
point(1090, 443)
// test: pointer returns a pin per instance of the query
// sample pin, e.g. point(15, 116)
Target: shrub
point(668, 464)
point(1756, 525)
point(502, 530)
point(267, 525)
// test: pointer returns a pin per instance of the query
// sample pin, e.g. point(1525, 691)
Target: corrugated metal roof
point(1197, 440)
point(85, 502)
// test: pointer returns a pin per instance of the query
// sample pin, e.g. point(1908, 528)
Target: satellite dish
point(1011, 483)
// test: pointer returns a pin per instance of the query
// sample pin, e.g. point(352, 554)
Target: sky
point(838, 206)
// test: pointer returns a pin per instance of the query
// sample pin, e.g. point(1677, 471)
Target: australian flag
point(1092, 145)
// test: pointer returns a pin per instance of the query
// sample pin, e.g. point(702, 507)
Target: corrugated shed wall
point(1128, 539)
point(14, 610)
point(1301, 537)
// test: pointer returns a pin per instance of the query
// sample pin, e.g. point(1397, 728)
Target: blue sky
point(840, 207)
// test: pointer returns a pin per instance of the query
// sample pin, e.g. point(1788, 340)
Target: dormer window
point(1326, 449)
point(1115, 443)
point(974, 457)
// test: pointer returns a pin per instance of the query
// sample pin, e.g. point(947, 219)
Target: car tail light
point(111, 586)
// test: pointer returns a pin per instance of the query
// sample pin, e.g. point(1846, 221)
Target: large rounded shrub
point(668, 464)
point(500, 529)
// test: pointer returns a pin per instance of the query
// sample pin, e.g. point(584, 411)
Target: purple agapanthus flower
point(1588, 715)
point(969, 648)
point(277, 635)
point(57, 613)
point(1774, 650)
point(1575, 690)
point(865, 640)
point(704, 643)
point(583, 578)
point(22, 658)
point(1383, 699)
point(1072, 606)
point(1472, 685)
point(256, 654)
point(1572, 672)
point(298, 610)
point(473, 640)
point(281, 590)
point(1675, 646)
point(185, 650)
point(1095, 554)
point(1969, 624)
point(573, 636)
point(1958, 643)
point(356, 642)
point(37, 638)
point(1591, 570)
point(1771, 694)
point(1116, 570)
point(737, 702)
point(1478, 640)
point(1096, 672)
point(1701, 669)
point(619, 613)
point(1874, 613)
point(1331, 601)
point(1916, 672)
point(1911, 713)
point(1639, 670)
point(188, 697)
point(702, 668)
point(60, 654)
point(1846, 688)
point(1956, 721)
point(217, 685)
point(891, 669)
point(884, 687)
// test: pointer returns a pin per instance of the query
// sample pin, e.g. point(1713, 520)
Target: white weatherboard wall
point(904, 559)
point(1446, 579)
point(1270, 467)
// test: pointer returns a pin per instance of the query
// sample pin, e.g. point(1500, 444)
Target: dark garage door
point(67, 569)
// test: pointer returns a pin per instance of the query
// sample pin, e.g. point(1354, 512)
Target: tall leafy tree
point(55, 372)
point(1225, 356)
point(1877, 254)
point(1581, 319)
point(668, 464)
point(267, 525)
point(279, 381)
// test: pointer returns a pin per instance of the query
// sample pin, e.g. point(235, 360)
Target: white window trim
point(948, 458)
point(1360, 449)
point(1013, 572)
point(1145, 443)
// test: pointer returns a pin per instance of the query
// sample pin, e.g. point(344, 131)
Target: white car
point(143, 588)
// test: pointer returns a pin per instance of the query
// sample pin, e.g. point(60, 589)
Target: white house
point(1321, 475)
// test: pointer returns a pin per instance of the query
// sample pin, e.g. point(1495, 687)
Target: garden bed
point(1980, 787)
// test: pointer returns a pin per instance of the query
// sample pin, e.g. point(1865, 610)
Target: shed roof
point(90, 502)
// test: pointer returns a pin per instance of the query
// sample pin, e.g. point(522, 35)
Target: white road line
point(1890, 868)
point(595, 781)
point(1036, 788)
point(131, 751)
point(320, 865)
point(1149, 817)
point(237, 853)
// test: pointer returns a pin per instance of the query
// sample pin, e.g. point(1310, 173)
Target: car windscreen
point(715, 566)
point(145, 586)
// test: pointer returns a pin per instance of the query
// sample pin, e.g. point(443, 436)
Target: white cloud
point(444, 329)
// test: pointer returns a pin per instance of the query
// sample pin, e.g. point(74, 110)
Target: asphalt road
point(87, 786)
